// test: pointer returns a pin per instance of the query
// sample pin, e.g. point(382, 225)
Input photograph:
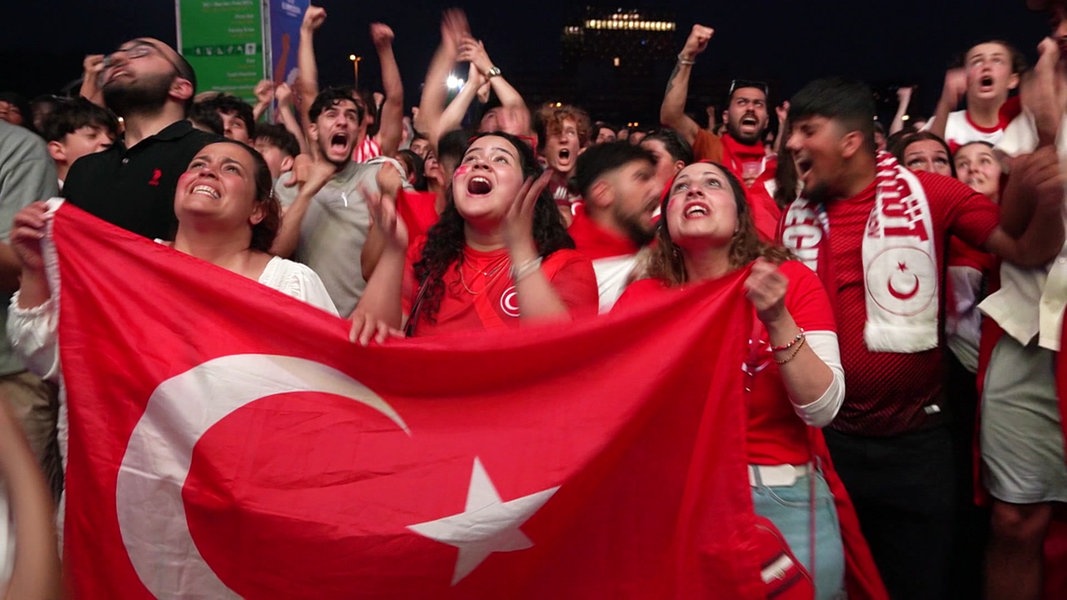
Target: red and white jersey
point(366, 150)
point(614, 257)
point(960, 129)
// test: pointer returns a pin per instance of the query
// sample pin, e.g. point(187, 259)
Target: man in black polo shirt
point(132, 184)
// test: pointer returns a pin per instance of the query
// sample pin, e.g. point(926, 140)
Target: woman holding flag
point(227, 216)
point(793, 379)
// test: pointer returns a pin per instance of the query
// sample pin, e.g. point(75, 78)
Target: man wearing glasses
point(150, 86)
point(741, 148)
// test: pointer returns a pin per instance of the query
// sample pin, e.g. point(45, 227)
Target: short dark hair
point(226, 104)
point(70, 115)
point(415, 168)
point(846, 100)
point(600, 159)
point(333, 96)
point(740, 84)
point(678, 148)
point(278, 136)
point(204, 116)
point(451, 146)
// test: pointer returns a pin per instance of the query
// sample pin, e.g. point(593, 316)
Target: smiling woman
point(226, 217)
point(498, 257)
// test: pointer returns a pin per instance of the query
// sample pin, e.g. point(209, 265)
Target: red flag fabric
point(227, 440)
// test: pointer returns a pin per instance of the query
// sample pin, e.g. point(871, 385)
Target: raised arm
point(452, 117)
point(1034, 190)
point(951, 93)
point(538, 299)
point(92, 66)
point(903, 100)
point(284, 95)
point(672, 111)
point(264, 92)
point(434, 91)
point(809, 363)
point(391, 118)
point(319, 172)
point(307, 80)
point(379, 313)
point(782, 110)
point(516, 119)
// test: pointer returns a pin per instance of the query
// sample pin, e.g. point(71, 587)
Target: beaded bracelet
point(525, 269)
point(686, 61)
point(799, 336)
point(792, 354)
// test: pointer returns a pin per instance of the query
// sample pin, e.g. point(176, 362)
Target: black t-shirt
point(134, 188)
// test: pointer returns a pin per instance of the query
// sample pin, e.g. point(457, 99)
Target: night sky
point(902, 41)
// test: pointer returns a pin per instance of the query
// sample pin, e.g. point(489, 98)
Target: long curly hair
point(665, 261)
point(446, 239)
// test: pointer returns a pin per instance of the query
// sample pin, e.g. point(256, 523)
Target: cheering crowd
point(907, 284)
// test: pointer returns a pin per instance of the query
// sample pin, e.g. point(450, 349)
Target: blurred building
point(617, 60)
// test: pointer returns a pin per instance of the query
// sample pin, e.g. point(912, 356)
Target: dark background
point(780, 41)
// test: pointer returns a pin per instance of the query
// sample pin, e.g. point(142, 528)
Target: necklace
point(491, 273)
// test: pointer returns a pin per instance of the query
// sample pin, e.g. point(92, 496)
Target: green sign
point(223, 40)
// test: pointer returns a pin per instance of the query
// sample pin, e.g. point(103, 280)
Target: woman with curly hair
point(793, 374)
point(499, 256)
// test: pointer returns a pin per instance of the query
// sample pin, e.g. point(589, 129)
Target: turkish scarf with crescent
point(899, 258)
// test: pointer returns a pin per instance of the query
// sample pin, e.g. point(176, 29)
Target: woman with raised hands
point(499, 257)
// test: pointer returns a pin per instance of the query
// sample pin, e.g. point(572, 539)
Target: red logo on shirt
point(156, 174)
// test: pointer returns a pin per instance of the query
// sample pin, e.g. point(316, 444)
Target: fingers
point(365, 328)
point(532, 189)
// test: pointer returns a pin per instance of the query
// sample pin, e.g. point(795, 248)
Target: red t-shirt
point(418, 210)
point(480, 295)
point(887, 392)
point(596, 242)
point(776, 435)
point(765, 211)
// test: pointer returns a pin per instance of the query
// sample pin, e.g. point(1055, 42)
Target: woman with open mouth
point(498, 258)
point(793, 379)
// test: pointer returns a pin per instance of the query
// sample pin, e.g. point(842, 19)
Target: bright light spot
point(905, 117)
point(615, 61)
point(454, 83)
point(352, 57)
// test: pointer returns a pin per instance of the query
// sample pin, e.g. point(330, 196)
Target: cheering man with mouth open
point(741, 148)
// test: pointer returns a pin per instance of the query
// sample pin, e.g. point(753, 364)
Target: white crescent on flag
point(154, 469)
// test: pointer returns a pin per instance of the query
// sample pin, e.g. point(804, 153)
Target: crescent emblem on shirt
point(509, 302)
point(156, 464)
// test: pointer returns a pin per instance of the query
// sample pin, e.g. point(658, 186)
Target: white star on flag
point(486, 525)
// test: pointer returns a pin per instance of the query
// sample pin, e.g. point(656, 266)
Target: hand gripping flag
point(228, 441)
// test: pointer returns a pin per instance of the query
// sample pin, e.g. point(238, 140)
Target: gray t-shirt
point(27, 175)
point(335, 228)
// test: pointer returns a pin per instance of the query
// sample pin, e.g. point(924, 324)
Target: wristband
point(682, 60)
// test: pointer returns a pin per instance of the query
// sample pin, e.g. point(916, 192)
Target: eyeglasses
point(141, 50)
point(737, 84)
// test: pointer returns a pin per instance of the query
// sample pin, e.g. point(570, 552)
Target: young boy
point(75, 128)
point(278, 146)
point(990, 71)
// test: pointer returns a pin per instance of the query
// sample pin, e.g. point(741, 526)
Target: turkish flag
point(227, 440)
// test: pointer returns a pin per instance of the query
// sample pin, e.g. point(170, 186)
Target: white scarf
point(899, 256)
